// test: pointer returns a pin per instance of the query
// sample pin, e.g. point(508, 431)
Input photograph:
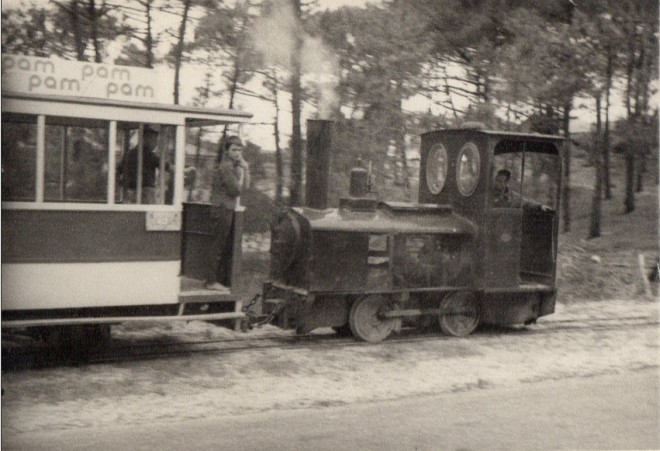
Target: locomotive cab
point(509, 185)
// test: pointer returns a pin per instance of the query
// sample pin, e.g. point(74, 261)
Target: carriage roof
point(109, 109)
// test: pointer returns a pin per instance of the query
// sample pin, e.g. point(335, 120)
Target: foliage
point(514, 64)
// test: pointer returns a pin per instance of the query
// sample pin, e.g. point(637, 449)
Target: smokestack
point(319, 146)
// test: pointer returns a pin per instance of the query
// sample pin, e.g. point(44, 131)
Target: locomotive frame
point(369, 267)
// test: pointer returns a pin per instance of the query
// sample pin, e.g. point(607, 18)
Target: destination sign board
point(54, 76)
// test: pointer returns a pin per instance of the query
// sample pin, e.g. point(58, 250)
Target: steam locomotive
point(458, 257)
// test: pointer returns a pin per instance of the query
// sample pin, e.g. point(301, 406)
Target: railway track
point(119, 350)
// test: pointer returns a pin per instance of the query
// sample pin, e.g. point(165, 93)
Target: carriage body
point(78, 248)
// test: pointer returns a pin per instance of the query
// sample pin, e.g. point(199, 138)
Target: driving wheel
point(462, 317)
point(365, 321)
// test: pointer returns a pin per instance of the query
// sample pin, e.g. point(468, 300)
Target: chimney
point(319, 146)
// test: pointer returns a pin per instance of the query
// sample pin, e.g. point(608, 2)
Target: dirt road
point(602, 412)
point(578, 343)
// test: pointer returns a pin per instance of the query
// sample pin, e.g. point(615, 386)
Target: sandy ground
point(259, 380)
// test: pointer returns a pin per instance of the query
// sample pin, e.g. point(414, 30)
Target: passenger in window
point(87, 179)
point(228, 181)
point(150, 164)
point(189, 179)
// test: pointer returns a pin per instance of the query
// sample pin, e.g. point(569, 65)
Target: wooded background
point(512, 64)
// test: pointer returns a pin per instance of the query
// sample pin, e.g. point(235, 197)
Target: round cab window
point(436, 168)
point(467, 170)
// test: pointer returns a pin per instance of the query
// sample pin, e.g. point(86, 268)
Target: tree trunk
point(279, 164)
point(629, 203)
point(149, 39)
point(647, 69)
point(77, 31)
point(178, 56)
point(401, 140)
point(596, 200)
point(448, 93)
point(606, 136)
point(638, 111)
point(233, 87)
point(641, 169)
point(566, 184)
point(630, 66)
point(233, 82)
point(94, 18)
point(296, 107)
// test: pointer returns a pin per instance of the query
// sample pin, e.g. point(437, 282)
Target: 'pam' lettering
point(127, 89)
point(10, 62)
point(63, 84)
point(116, 73)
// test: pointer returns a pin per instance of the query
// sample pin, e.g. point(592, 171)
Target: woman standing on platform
point(228, 181)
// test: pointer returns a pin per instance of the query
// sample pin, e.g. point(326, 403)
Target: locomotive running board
point(521, 288)
point(419, 312)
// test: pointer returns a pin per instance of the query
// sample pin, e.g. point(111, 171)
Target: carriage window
point(76, 160)
point(19, 157)
point(157, 175)
point(468, 168)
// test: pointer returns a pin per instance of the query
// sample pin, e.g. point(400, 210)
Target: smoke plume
point(274, 38)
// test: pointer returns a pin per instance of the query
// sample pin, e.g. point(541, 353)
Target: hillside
point(607, 267)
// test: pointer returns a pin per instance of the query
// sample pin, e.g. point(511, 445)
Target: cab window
point(525, 175)
point(505, 180)
point(540, 182)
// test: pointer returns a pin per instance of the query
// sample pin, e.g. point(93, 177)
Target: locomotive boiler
point(458, 257)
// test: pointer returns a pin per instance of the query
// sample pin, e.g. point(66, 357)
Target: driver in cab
point(503, 197)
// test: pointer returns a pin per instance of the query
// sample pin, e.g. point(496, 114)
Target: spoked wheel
point(466, 316)
point(365, 321)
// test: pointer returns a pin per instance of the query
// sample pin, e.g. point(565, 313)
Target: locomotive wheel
point(365, 322)
point(463, 323)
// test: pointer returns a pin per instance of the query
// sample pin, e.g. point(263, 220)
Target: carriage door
point(503, 223)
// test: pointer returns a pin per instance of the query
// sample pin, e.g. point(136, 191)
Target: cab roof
point(498, 133)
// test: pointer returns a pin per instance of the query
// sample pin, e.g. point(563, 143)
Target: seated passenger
point(127, 169)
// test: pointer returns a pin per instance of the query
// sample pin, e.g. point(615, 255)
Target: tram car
point(94, 227)
point(479, 246)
